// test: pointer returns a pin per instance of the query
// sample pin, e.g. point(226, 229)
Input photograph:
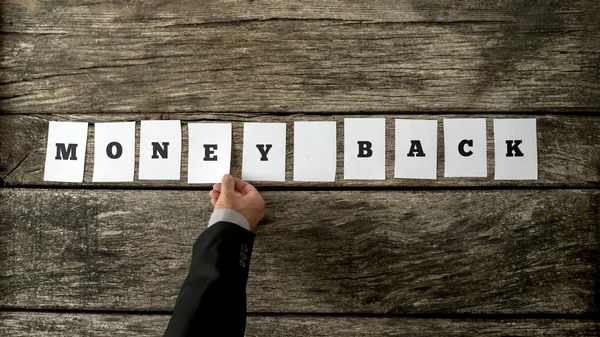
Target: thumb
point(227, 185)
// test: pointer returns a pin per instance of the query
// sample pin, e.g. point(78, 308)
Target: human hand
point(240, 196)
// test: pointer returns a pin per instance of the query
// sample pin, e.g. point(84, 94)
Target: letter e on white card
point(465, 147)
point(114, 152)
point(209, 156)
point(364, 148)
point(264, 152)
point(416, 149)
point(65, 152)
point(315, 155)
point(160, 150)
point(515, 148)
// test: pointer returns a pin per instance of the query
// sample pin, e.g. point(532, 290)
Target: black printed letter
point(513, 146)
point(156, 149)
point(67, 153)
point(209, 152)
point(415, 146)
point(461, 147)
point(109, 150)
point(364, 149)
point(263, 151)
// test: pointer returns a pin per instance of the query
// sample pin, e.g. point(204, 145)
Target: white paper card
point(515, 147)
point(315, 152)
point(160, 150)
point(209, 156)
point(416, 149)
point(465, 147)
point(114, 152)
point(65, 152)
point(364, 148)
point(264, 152)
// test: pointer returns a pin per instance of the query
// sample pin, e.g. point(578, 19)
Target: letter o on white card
point(114, 152)
point(160, 150)
point(364, 148)
point(264, 152)
point(315, 155)
point(209, 155)
point(515, 149)
point(65, 152)
point(465, 147)
point(416, 149)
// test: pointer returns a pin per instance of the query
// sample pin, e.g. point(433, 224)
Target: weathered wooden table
point(450, 257)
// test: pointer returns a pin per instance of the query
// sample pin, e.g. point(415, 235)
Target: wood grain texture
point(32, 324)
point(281, 56)
point(568, 150)
point(391, 252)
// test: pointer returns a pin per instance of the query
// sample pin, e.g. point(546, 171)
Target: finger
point(213, 201)
point(214, 194)
point(243, 186)
point(217, 187)
point(228, 185)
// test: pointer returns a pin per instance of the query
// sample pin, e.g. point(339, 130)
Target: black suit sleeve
point(212, 300)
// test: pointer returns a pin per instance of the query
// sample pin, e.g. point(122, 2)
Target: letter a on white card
point(160, 150)
point(65, 152)
point(515, 148)
point(114, 152)
point(416, 149)
point(209, 156)
point(315, 153)
point(364, 148)
point(264, 152)
point(465, 147)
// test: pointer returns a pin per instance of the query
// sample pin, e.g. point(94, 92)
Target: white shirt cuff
point(229, 215)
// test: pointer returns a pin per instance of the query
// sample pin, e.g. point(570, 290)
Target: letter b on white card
point(416, 149)
point(465, 147)
point(160, 150)
point(264, 152)
point(364, 148)
point(209, 155)
point(515, 148)
point(315, 155)
point(65, 152)
point(114, 152)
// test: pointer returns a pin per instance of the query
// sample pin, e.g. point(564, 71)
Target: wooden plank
point(34, 324)
point(370, 252)
point(568, 150)
point(101, 61)
point(59, 16)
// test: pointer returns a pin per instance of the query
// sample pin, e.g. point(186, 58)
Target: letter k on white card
point(515, 144)
point(160, 150)
point(264, 152)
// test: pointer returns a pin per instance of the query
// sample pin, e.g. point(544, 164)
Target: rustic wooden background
point(450, 257)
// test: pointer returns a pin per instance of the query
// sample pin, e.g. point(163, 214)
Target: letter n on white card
point(65, 152)
point(465, 147)
point(416, 149)
point(515, 148)
point(315, 155)
point(209, 155)
point(160, 150)
point(264, 152)
point(364, 148)
point(114, 152)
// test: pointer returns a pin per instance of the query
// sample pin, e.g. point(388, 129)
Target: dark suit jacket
point(212, 300)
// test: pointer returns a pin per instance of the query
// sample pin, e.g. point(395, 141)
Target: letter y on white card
point(264, 152)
